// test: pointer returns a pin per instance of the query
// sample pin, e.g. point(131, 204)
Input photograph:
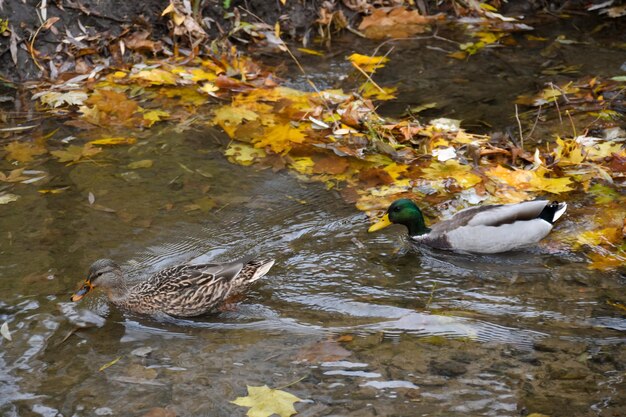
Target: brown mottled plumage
point(183, 290)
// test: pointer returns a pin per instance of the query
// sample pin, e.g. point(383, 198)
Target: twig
point(292, 383)
point(571, 122)
point(519, 125)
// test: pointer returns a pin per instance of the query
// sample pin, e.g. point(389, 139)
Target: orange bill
point(78, 295)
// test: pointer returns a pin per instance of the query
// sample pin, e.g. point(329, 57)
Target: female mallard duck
point(183, 291)
point(482, 229)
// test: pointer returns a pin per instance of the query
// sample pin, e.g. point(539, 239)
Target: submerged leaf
point(106, 365)
point(4, 330)
point(23, 151)
point(8, 198)
point(74, 152)
point(113, 141)
point(264, 401)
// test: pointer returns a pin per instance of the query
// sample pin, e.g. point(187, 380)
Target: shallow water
point(350, 322)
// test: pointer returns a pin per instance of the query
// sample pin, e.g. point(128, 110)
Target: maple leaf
point(530, 180)
point(452, 169)
point(243, 154)
point(74, 152)
point(153, 116)
point(280, 137)
point(23, 151)
point(265, 401)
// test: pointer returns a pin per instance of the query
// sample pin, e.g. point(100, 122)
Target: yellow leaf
point(280, 137)
point(231, 115)
point(74, 152)
point(368, 63)
point(106, 365)
point(119, 74)
point(452, 169)
point(303, 165)
point(310, 51)
point(264, 401)
point(243, 154)
point(156, 76)
point(603, 150)
point(605, 236)
point(209, 88)
point(380, 93)
point(23, 151)
point(201, 75)
point(529, 180)
point(396, 170)
point(113, 141)
point(153, 116)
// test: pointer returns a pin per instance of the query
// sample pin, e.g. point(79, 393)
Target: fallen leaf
point(243, 154)
point(396, 22)
point(23, 151)
point(144, 163)
point(155, 76)
point(74, 152)
point(4, 330)
point(452, 169)
point(264, 401)
point(8, 198)
point(14, 176)
point(368, 63)
point(279, 138)
point(114, 141)
point(153, 116)
point(106, 365)
point(91, 198)
point(55, 99)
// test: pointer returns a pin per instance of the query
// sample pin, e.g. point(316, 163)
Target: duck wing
point(185, 290)
point(494, 215)
point(491, 229)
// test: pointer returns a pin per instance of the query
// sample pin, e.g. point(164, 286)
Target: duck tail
point(256, 269)
point(553, 211)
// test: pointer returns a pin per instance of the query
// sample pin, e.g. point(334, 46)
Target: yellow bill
point(381, 224)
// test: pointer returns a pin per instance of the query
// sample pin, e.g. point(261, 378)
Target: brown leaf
point(138, 41)
point(330, 164)
point(373, 177)
point(397, 22)
point(324, 351)
point(160, 412)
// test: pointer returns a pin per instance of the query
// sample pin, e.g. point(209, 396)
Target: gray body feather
point(491, 229)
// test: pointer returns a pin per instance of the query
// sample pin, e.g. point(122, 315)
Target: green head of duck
point(406, 212)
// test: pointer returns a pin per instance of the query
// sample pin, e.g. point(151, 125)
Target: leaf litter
point(336, 137)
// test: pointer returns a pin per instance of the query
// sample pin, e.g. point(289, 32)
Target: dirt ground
point(73, 36)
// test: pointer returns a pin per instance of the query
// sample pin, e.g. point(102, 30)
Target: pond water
point(348, 321)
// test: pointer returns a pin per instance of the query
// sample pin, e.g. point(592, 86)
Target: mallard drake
point(183, 291)
point(482, 229)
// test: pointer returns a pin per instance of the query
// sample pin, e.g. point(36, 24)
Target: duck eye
point(396, 209)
